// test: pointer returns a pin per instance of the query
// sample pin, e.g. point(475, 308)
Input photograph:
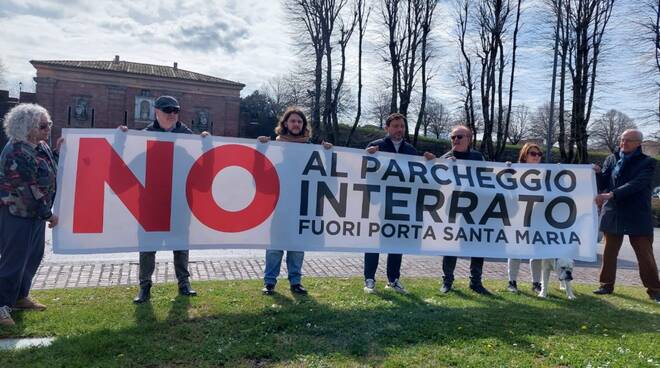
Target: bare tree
point(606, 131)
point(582, 26)
point(519, 128)
point(465, 75)
point(502, 132)
point(540, 124)
point(307, 15)
point(390, 13)
point(345, 32)
point(427, 21)
point(403, 20)
point(380, 107)
point(437, 118)
point(288, 90)
point(330, 15)
point(562, 9)
point(409, 48)
point(492, 18)
point(362, 19)
point(648, 41)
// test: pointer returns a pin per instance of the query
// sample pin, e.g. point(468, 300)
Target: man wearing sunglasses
point(167, 120)
point(461, 138)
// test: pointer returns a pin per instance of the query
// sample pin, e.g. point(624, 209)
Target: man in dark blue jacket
point(167, 120)
point(394, 143)
point(624, 184)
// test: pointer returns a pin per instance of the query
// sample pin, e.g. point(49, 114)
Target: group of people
point(613, 183)
point(28, 172)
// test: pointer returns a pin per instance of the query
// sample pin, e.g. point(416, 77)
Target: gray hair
point(20, 120)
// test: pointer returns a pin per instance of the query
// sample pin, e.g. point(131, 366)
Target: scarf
point(292, 138)
point(623, 160)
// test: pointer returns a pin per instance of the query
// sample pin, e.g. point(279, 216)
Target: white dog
point(564, 268)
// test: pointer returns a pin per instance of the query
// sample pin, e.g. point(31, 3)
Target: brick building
point(105, 94)
point(7, 103)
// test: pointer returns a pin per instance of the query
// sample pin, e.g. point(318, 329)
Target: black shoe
point(143, 295)
point(536, 287)
point(298, 289)
point(480, 289)
point(268, 289)
point(186, 290)
point(513, 287)
point(603, 291)
point(446, 288)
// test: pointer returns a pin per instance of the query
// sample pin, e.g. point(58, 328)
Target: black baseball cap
point(166, 101)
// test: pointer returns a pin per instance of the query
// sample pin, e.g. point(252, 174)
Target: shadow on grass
point(281, 328)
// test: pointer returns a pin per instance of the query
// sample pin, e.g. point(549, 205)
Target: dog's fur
point(564, 268)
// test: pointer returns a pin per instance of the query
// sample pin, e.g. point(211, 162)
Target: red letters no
point(98, 164)
point(200, 181)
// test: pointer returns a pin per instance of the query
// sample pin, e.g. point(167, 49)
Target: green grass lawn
point(337, 325)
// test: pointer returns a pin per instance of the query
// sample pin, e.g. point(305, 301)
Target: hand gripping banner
point(129, 191)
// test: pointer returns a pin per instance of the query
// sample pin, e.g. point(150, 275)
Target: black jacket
point(386, 145)
point(469, 155)
point(179, 127)
point(629, 211)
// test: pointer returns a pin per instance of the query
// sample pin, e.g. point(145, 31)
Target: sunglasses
point(535, 154)
point(170, 109)
point(46, 126)
point(458, 136)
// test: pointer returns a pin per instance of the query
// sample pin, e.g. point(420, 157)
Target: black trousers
point(22, 243)
point(148, 265)
point(393, 266)
point(449, 265)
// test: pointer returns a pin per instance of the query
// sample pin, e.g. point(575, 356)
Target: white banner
point(120, 192)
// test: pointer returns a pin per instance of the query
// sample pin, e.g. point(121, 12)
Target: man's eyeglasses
point(170, 109)
point(535, 154)
point(457, 136)
point(45, 126)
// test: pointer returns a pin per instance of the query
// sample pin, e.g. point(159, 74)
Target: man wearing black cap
point(167, 120)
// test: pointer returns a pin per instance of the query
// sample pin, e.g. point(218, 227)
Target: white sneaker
point(369, 286)
point(5, 317)
point(396, 286)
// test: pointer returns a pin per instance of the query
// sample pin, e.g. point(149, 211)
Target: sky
point(252, 41)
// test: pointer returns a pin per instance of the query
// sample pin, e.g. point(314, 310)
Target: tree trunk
point(363, 19)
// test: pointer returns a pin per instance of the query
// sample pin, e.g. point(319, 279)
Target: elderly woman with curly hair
point(27, 188)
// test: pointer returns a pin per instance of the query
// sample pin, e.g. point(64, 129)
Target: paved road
point(626, 257)
point(65, 271)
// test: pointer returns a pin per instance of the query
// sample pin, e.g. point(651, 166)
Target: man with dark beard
point(292, 127)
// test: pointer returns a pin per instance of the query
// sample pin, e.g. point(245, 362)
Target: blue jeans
point(294, 262)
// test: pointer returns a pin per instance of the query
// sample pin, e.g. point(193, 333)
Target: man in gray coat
point(624, 184)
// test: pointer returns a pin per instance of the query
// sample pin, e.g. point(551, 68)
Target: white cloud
point(251, 41)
